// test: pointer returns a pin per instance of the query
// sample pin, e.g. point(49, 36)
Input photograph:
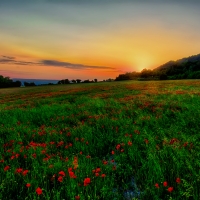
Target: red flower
point(28, 185)
point(39, 191)
point(60, 178)
point(86, 181)
point(178, 180)
point(98, 170)
point(71, 174)
point(96, 174)
point(103, 175)
point(19, 170)
point(25, 172)
point(157, 185)
point(77, 197)
point(130, 143)
point(165, 184)
point(6, 168)
point(113, 152)
point(170, 189)
point(118, 147)
point(34, 155)
point(61, 173)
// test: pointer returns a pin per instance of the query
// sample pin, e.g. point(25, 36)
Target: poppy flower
point(28, 185)
point(39, 191)
point(112, 152)
point(178, 180)
point(96, 174)
point(60, 178)
point(19, 170)
point(6, 168)
point(165, 184)
point(86, 181)
point(62, 173)
point(77, 197)
point(130, 143)
point(170, 189)
point(25, 172)
point(157, 185)
point(71, 174)
point(103, 175)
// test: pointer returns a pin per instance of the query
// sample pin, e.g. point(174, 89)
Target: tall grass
point(120, 140)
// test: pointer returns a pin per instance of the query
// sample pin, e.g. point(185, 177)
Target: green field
point(117, 140)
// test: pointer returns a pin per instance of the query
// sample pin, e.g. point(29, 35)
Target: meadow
point(113, 140)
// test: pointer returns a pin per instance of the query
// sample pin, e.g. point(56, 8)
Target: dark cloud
point(71, 65)
point(12, 60)
point(55, 63)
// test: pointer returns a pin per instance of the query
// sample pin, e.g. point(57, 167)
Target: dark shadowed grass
point(137, 133)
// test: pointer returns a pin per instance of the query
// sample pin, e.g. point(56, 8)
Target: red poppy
point(77, 197)
point(28, 185)
point(71, 174)
point(178, 180)
point(25, 172)
point(60, 178)
point(61, 173)
point(165, 184)
point(103, 175)
point(130, 143)
point(86, 181)
point(6, 168)
point(157, 185)
point(96, 174)
point(19, 170)
point(170, 189)
point(112, 152)
point(39, 191)
point(118, 147)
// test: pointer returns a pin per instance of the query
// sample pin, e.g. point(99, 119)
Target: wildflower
point(6, 168)
point(62, 173)
point(24, 172)
point(34, 155)
point(165, 184)
point(60, 178)
point(96, 174)
point(129, 143)
point(146, 141)
point(103, 175)
point(112, 152)
point(77, 197)
point(71, 174)
point(157, 185)
point(28, 185)
point(170, 189)
point(19, 170)
point(39, 191)
point(178, 180)
point(86, 181)
point(118, 147)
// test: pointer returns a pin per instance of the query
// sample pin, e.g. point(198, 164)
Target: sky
point(88, 39)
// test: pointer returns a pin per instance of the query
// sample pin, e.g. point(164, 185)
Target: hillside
point(184, 68)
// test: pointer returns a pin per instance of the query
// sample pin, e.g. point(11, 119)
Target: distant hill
point(185, 68)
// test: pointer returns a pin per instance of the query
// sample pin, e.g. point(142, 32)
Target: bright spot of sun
point(142, 61)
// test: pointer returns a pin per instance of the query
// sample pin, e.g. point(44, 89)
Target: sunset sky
point(87, 39)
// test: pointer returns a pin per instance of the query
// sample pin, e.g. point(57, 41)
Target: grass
point(118, 140)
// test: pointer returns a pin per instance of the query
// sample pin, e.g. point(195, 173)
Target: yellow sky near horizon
point(75, 38)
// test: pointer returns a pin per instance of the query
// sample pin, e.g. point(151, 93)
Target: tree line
point(185, 68)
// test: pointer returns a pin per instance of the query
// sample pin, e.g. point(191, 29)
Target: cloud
point(54, 63)
point(12, 60)
point(71, 65)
